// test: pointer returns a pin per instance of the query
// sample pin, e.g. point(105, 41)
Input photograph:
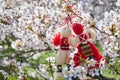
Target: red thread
point(70, 14)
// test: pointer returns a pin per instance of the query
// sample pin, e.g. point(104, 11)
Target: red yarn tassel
point(97, 55)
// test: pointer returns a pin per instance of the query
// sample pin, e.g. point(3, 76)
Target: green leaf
point(107, 74)
point(26, 69)
point(8, 50)
point(98, 45)
point(1, 76)
point(30, 78)
point(12, 78)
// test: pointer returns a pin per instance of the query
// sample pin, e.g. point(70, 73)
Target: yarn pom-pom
point(77, 28)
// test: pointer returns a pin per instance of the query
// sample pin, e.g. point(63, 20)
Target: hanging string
point(70, 14)
point(69, 8)
point(68, 18)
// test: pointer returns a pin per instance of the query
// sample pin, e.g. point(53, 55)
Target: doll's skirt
point(62, 57)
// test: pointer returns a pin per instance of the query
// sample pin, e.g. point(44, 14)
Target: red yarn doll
point(88, 54)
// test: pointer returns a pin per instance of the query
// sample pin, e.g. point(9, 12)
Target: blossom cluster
point(31, 22)
point(111, 26)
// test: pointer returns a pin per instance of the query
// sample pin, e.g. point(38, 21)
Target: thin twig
point(51, 68)
point(41, 75)
point(101, 31)
point(76, 14)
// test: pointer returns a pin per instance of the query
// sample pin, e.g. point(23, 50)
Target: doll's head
point(65, 32)
point(90, 34)
point(77, 28)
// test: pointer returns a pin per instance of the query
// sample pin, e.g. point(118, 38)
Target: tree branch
point(102, 31)
point(46, 50)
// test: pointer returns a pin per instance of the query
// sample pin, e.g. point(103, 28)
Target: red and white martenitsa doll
point(88, 54)
point(64, 40)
